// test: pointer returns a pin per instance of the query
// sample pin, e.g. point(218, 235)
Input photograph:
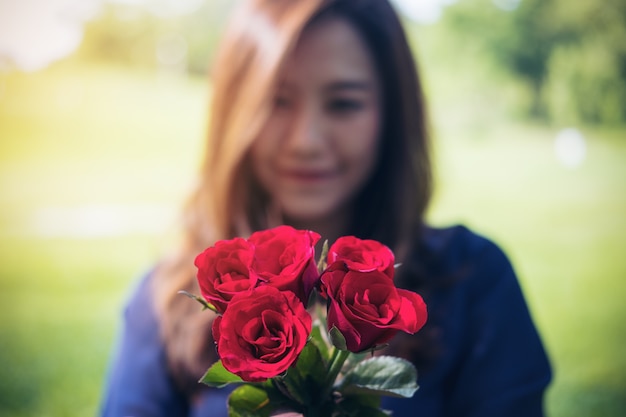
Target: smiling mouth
point(308, 176)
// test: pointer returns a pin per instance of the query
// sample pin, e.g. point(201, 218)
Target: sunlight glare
point(570, 147)
point(34, 33)
point(171, 52)
point(422, 11)
point(507, 5)
point(102, 220)
point(165, 8)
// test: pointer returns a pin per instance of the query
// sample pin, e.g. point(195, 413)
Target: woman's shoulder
point(456, 241)
point(455, 253)
point(139, 304)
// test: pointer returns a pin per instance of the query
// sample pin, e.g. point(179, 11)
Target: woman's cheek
point(361, 134)
point(270, 137)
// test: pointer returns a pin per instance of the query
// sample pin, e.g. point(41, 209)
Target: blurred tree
point(587, 76)
point(570, 55)
point(122, 34)
point(132, 35)
point(521, 40)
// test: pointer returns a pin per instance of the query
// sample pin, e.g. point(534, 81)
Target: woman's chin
point(317, 217)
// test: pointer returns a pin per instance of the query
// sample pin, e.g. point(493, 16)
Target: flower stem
point(336, 363)
point(313, 412)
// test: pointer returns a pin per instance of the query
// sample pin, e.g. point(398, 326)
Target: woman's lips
point(308, 176)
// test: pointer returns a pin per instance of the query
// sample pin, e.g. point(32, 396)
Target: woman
point(318, 121)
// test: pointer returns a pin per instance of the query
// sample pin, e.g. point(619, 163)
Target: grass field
point(95, 160)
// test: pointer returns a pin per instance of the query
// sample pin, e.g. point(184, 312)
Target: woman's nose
point(306, 135)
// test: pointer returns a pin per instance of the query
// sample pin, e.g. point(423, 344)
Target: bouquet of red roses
point(287, 358)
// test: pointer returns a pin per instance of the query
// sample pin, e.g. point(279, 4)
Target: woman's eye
point(281, 102)
point(343, 106)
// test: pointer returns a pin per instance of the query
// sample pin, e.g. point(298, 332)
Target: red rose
point(224, 270)
point(262, 333)
point(362, 255)
point(285, 259)
point(367, 307)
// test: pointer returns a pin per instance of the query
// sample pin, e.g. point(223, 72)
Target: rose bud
point(367, 308)
point(362, 255)
point(224, 270)
point(285, 259)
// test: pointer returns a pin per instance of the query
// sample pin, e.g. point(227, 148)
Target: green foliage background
point(570, 56)
point(109, 128)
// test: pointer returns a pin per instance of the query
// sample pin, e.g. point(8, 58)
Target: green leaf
point(337, 339)
point(205, 304)
point(306, 379)
point(360, 406)
point(354, 359)
point(381, 375)
point(311, 365)
point(369, 412)
point(321, 263)
point(317, 338)
point(354, 401)
point(292, 386)
point(249, 401)
point(313, 298)
point(217, 376)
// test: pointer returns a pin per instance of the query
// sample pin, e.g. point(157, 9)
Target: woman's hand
point(286, 413)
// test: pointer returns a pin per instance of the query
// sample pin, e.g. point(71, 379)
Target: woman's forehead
point(329, 51)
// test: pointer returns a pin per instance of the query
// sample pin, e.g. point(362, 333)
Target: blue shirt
point(490, 359)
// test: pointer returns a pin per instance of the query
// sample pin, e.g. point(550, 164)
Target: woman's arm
point(483, 356)
point(505, 370)
point(138, 382)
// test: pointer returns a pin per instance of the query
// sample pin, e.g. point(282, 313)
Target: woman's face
point(320, 144)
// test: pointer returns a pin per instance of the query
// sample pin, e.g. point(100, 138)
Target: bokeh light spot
point(570, 147)
point(507, 5)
